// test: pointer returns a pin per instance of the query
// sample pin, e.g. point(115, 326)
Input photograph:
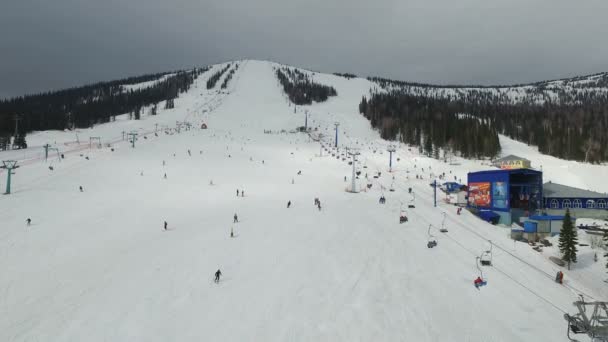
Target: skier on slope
point(288, 204)
point(165, 225)
point(81, 190)
point(29, 221)
point(237, 192)
point(236, 218)
point(218, 273)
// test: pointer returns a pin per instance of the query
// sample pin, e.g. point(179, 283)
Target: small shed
point(458, 198)
point(451, 187)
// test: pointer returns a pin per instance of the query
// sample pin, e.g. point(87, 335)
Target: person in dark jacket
point(218, 273)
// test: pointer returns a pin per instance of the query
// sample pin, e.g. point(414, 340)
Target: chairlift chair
point(486, 257)
point(443, 229)
point(484, 281)
point(413, 200)
point(432, 242)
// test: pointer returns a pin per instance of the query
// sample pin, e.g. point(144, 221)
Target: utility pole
point(354, 153)
point(337, 124)
point(391, 149)
point(132, 137)
point(9, 165)
point(306, 120)
point(17, 118)
point(435, 193)
point(46, 151)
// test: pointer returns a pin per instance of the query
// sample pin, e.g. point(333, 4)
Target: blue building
point(451, 187)
point(511, 194)
point(582, 203)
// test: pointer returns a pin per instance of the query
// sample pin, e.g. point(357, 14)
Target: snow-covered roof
point(554, 190)
point(511, 157)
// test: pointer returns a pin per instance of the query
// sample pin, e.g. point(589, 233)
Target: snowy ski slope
point(97, 265)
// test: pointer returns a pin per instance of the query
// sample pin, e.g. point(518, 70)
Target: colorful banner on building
point(479, 194)
point(513, 164)
point(499, 195)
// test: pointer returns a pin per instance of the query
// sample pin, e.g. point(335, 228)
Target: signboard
point(512, 164)
point(499, 195)
point(479, 194)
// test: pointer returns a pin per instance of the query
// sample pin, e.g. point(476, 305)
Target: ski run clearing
point(97, 265)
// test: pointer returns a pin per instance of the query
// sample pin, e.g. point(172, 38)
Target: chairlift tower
point(306, 120)
point(391, 149)
point(354, 153)
point(9, 165)
point(337, 124)
point(132, 138)
point(48, 148)
point(591, 319)
point(92, 139)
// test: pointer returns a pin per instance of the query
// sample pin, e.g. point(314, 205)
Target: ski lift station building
point(581, 203)
point(506, 195)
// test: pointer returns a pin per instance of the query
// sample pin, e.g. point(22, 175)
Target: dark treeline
point(229, 76)
point(88, 105)
point(345, 75)
point(599, 80)
point(216, 77)
point(300, 89)
point(431, 124)
point(571, 126)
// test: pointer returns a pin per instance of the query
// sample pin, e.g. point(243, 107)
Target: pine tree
point(568, 240)
point(4, 142)
point(19, 141)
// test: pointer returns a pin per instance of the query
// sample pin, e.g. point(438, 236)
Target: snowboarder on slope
point(559, 277)
point(218, 273)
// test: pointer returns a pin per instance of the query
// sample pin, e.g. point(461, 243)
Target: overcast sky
point(53, 44)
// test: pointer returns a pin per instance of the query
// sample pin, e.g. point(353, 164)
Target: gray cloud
point(55, 44)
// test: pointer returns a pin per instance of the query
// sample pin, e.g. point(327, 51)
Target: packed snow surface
point(97, 265)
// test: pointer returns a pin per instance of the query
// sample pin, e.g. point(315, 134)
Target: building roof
point(549, 217)
point(516, 171)
point(510, 157)
point(554, 190)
